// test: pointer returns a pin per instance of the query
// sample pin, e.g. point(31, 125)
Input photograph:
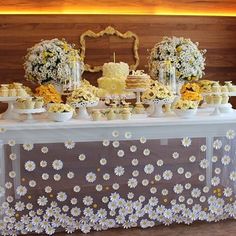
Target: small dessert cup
point(225, 99)
point(216, 99)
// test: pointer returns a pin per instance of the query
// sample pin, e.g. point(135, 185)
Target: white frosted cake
point(115, 70)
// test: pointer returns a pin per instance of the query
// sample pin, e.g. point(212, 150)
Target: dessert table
point(86, 175)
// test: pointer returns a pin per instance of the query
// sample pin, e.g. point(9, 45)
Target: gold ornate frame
point(109, 31)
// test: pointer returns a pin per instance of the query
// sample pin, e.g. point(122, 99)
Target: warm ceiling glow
point(120, 7)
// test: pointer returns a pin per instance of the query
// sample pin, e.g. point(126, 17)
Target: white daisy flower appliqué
point(91, 177)
point(69, 144)
point(119, 170)
point(57, 165)
point(230, 134)
point(44, 150)
point(132, 183)
point(28, 146)
point(30, 166)
point(186, 142)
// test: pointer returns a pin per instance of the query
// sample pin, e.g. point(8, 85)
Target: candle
point(114, 57)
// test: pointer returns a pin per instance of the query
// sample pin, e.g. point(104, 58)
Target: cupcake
point(20, 103)
point(96, 115)
point(216, 88)
point(29, 103)
point(208, 99)
point(39, 102)
point(225, 99)
point(21, 92)
point(216, 99)
point(125, 114)
point(224, 89)
point(12, 92)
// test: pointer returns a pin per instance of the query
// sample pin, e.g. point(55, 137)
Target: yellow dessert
point(225, 99)
point(112, 85)
point(138, 79)
point(216, 99)
point(185, 104)
point(82, 95)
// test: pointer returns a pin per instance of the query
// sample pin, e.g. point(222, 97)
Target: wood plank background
point(19, 32)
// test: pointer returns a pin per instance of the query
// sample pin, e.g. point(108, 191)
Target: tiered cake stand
point(83, 113)
point(29, 113)
point(9, 114)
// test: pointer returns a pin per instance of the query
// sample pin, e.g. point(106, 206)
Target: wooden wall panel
point(216, 34)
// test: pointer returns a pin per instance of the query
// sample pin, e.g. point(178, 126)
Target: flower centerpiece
point(60, 112)
point(53, 61)
point(185, 108)
point(184, 55)
point(191, 92)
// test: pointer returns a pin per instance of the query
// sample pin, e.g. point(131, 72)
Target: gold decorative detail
point(109, 31)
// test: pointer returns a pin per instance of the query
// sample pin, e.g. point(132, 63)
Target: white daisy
point(120, 153)
point(32, 183)
point(57, 164)
point(160, 162)
point(45, 176)
point(70, 175)
point(175, 155)
point(91, 177)
point(215, 181)
point(188, 175)
point(103, 161)
point(135, 162)
point(115, 133)
point(2, 130)
point(204, 163)
point(87, 200)
point(178, 188)
point(106, 143)
point(145, 182)
point(186, 142)
point(21, 190)
point(106, 176)
point(44, 150)
point(28, 146)
point(214, 159)
point(187, 186)
point(157, 177)
point(12, 156)
point(196, 192)
point(135, 173)
point(227, 148)
point(30, 166)
point(201, 178)
point(148, 169)
point(232, 175)
point(82, 157)
point(105, 199)
point(180, 170)
point(115, 144)
point(11, 143)
point(99, 187)
point(203, 148)
point(75, 211)
point(115, 186)
point(228, 192)
point(146, 152)
point(76, 188)
point(8, 185)
point(205, 189)
point(57, 177)
point(192, 158)
point(48, 189)
point(143, 140)
point(130, 195)
point(217, 171)
point(69, 144)
point(128, 135)
point(20, 206)
point(217, 144)
point(230, 134)
point(61, 196)
point(164, 192)
point(42, 201)
point(73, 201)
point(167, 174)
point(43, 164)
point(202, 199)
point(133, 148)
point(132, 183)
point(12, 174)
point(119, 170)
point(225, 160)
point(190, 202)
point(153, 190)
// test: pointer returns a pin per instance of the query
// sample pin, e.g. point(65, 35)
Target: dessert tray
point(82, 112)
point(29, 113)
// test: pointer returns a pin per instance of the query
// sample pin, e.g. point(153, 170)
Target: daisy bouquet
point(50, 61)
point(184, 55)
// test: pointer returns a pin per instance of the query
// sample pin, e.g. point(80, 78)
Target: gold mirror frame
point(109, 31)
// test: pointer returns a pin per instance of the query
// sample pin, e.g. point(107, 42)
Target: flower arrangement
point(191, 91)
point(157, 91)
point(50, 61)
point(60, 107)
point(82, 95)
point(184, 55)
point(185, 104)
point(48, 93)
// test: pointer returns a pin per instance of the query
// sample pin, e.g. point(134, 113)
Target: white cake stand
point(220, 108)
point(29, 113)
point(158, 103)
point(82, 113)
point(9, 113)
point(138, 92)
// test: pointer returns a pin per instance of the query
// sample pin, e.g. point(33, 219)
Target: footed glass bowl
point(60, 116)
point(185, 113)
